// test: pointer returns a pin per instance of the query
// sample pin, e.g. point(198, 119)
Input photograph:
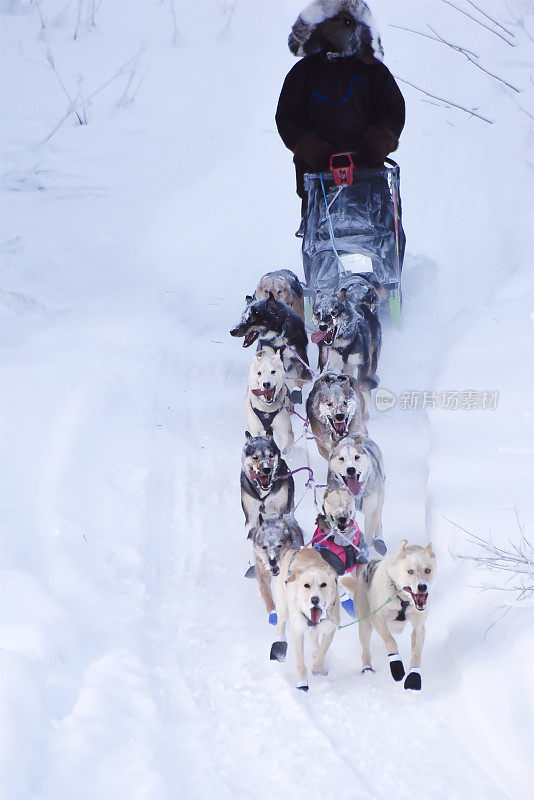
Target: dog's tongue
point(420, 599)
point(353, 484)
point(315, 614)
point(318, 336)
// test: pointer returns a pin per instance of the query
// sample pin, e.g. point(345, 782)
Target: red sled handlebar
point(342, 169)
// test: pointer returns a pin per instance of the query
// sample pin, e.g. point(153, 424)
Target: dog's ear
point(429, 550)
point(252, 533)
point(248, 435)
point(260, 519)
point(402, 546)
point(269, 433)
point(260, 354)
point(271, 300)
point(292, 576)
point(343, 295)
point(249, 298)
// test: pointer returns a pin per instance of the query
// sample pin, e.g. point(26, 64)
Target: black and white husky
point(278, 327)
point(356, 463)
point(266, 483)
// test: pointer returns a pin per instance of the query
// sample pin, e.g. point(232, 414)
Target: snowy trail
point(135, 655)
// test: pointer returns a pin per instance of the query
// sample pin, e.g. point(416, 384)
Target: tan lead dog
point(393, 591)
point(306, 591)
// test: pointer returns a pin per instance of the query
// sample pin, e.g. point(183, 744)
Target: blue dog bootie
point(273, 618)
point(348, 604)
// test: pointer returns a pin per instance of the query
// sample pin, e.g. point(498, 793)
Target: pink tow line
point(310, 480)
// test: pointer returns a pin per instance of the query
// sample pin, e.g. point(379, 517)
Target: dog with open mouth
point(274, 535)
point(276, 326)
point(335, 409)
point(389, 593)
point(348, 335)
point(356, 463)
point(267, 486)
point(306, 592)
point(284, 286)
point(266, 401)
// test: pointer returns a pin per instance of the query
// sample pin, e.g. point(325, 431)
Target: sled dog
point(278, 327)
point(285, 287)
point(362, 289)
point(266, 484)
point(306, 592)
point(404, 578)
point(335, 409)
point(265, 399)
point(356, 463)
point(274, 535)
point(349, 335)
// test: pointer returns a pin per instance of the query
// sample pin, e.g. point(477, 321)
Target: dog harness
point(266, 417)
point(342, 558)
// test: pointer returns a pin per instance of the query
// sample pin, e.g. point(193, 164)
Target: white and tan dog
point(306, 591)
point(356, 463)
point(394, 591)
point(284, 286)
point(265, 399)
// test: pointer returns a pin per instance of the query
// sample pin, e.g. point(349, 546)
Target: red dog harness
point(324, 540)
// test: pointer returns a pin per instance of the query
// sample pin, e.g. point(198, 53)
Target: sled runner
point(353, 223)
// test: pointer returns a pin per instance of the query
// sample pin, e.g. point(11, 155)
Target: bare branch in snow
point(484, 14)
point(515, 561)
point(78, 17)
point(433, 39)
point(228, 10)
point(80, 105)
point(470, 111)
point(472, 60)
point(519, 22)
point(72, 103)
point(176, 37)
point(487, 27)
point(40, 12)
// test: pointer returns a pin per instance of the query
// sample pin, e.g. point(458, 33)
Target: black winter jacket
point(337, 100)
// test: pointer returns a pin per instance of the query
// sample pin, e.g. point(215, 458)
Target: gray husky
point(335, 409)
point(267, 486)
point(349, 334)
point(274, 535)
point(356, 463)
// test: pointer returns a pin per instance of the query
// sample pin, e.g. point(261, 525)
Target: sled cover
point(366, 221)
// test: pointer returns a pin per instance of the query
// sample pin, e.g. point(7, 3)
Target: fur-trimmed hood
point(366, 41)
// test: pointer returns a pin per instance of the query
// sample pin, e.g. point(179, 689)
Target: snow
point(134, 655)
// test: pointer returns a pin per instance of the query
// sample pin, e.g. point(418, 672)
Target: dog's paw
point(396, 666)
point(251, 572)
point(413, 681)
point(273, 618)
point(322, 671)
point(278, 651)
point(368, 668)
point(303, 686)
point(380, 546)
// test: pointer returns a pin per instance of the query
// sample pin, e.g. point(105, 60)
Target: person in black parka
point(340, 97)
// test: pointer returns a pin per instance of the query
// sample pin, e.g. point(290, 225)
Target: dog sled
point(353, 224)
